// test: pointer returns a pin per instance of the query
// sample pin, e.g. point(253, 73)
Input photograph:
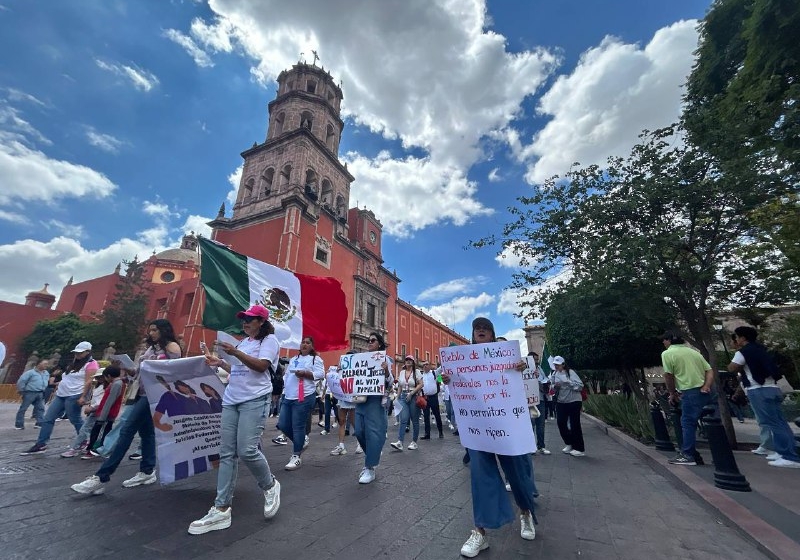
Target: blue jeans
point(57, 407)
point(767, 404)
point(85, 432)
point(242, 426)
point(448, 405)
point(140, 421)
point(370, 429)
point(408, 411)
point(491, 507)
point(113, 436)
point(692, 403)
point(328, 407)
point(765, 434)
point(538, 426)
point(292, 420)
point(35, 398)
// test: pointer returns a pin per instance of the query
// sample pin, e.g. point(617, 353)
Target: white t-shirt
point(738, 358)
point(245, 384)
point(72, 383)
point(291, 382)
point(407, 384)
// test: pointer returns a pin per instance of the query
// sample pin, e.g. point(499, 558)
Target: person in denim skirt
point(371, 420)
point(245, 404)
point(491, 507)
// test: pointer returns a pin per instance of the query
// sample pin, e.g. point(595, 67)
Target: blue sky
point(121, 123)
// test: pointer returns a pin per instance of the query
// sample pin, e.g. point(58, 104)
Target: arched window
point(341, 211)
point(279, 120)
point(306, 120)
point(79, 303)
point(310, 183)
point(286, 175)
point(330, 138)
point(327, 192)
point(248, 190)
point(266, 181)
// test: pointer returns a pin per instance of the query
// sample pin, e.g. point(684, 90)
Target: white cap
point(83, 346)
point(559, 360)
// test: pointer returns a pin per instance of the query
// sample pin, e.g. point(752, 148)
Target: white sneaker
point(91, 486)
point(544, 451)
point(339, 450)
point(367, 476)
point(214, 520)
point(760, 450)
point(324, 433)
point(335, 425)
point(396, 422)
point(272, 500)
point(475, 543)
point(413, 445)
point(784, 463)
point(140, 479)
point(567, 449)
point(70, 453)
point(305, 442)
point(294, 463)
point(508, 487)
point(450, 425)
point(773, 456)
point(527, 530)
point(576, 453)
point(359, 451)
point(398, 445)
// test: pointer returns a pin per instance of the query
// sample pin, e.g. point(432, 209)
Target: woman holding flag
point(245, 404)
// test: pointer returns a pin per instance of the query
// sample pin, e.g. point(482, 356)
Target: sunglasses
point(247, 319)
point(373, 340)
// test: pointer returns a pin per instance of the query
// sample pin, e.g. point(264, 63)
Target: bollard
point(675, 416)
point(726, 472)
point(663, 443)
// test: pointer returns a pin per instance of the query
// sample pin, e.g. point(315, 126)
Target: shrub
point(632, 416)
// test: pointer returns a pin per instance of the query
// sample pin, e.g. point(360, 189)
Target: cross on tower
point(316, 57)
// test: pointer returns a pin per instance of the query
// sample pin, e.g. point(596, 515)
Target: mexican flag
point(299, 305)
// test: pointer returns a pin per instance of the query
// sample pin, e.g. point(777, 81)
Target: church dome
point(179, 255)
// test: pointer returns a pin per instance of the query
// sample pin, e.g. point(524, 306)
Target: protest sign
point(530, 378)
point(185, 397)
point(124, 360)
point(362, 374)
point(488, 397)
point(333, 380)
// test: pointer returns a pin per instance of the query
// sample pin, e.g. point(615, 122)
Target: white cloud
point(234, 179)
point(66, 229)
point(199, 56)
point(615, 92)
point(517, 334)
point(431, 75)
point(140, 78)
point(30, 175)
point(156, 209)
point(513, 257)
point(105, 142)
point(494, 175)
point(452, 287)
point(14, 94)
point(13, 126)
point(459, 309)
point(512, 299)
point(197, 224)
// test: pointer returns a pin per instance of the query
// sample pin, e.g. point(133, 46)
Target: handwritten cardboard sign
point(488, 397)
point(530, 377)
point(362, 374)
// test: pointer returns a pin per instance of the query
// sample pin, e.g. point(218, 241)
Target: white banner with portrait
point(185, 397)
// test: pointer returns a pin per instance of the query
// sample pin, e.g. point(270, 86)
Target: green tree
point(61, 333)
point(667, 217)
point(124, 317)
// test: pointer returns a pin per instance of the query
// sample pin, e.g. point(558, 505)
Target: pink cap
point(254, 311)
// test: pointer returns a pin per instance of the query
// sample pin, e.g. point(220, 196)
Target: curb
point(767, 538)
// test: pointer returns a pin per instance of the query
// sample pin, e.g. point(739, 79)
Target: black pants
point(95, 434)
point(568, 417)
point(433, 406)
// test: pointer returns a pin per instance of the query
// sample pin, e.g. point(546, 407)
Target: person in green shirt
point(689, 379)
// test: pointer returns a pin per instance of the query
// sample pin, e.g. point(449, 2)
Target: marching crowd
point(109, 407)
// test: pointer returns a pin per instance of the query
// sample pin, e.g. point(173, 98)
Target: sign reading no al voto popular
point(488, 397)
point(362, 374)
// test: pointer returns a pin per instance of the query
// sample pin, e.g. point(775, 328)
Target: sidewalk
point(769, 515)
point(610, 504)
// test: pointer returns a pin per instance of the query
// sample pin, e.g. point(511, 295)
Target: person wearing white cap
point(569, 402)
point(73, 392)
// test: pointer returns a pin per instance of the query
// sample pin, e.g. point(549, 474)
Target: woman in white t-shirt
point(299, 397)
point(244, 410)
point(409, 385)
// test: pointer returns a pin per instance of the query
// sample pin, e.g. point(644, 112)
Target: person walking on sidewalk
point(491, 507)
point(245, 405)
point(73, 392)
point(409, 384)
point(31, 386)
point(161, 346)
point(569, 401)
point(759, 376)
point(538, 422)
point(431, 388)
point(689, 379)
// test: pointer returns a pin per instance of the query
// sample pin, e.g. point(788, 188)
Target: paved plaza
point(610, 504)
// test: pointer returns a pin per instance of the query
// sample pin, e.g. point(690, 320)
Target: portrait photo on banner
point(185, 397)
point(488, 397)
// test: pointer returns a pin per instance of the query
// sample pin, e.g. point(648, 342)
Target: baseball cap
point(559, 360)
point(254, 311)
point(83, 346)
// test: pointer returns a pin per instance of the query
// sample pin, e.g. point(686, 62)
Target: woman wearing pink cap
point(244, 410)
point(409, 384)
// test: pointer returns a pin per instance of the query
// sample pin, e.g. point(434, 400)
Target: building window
point(436, 337)
point(427, 332)
point(321, 256)
point(371, 314)
point(403, 352)
point(402, 322)
point(311, 87)
point(80, 302)
point(416, 328)
point(167, 276)
point(427, 356)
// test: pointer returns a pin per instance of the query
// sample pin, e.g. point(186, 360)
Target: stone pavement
point(609, 504)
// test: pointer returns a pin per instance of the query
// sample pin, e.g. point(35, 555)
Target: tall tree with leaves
point(123, 319)
point(61, 333)
point(667, 217)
